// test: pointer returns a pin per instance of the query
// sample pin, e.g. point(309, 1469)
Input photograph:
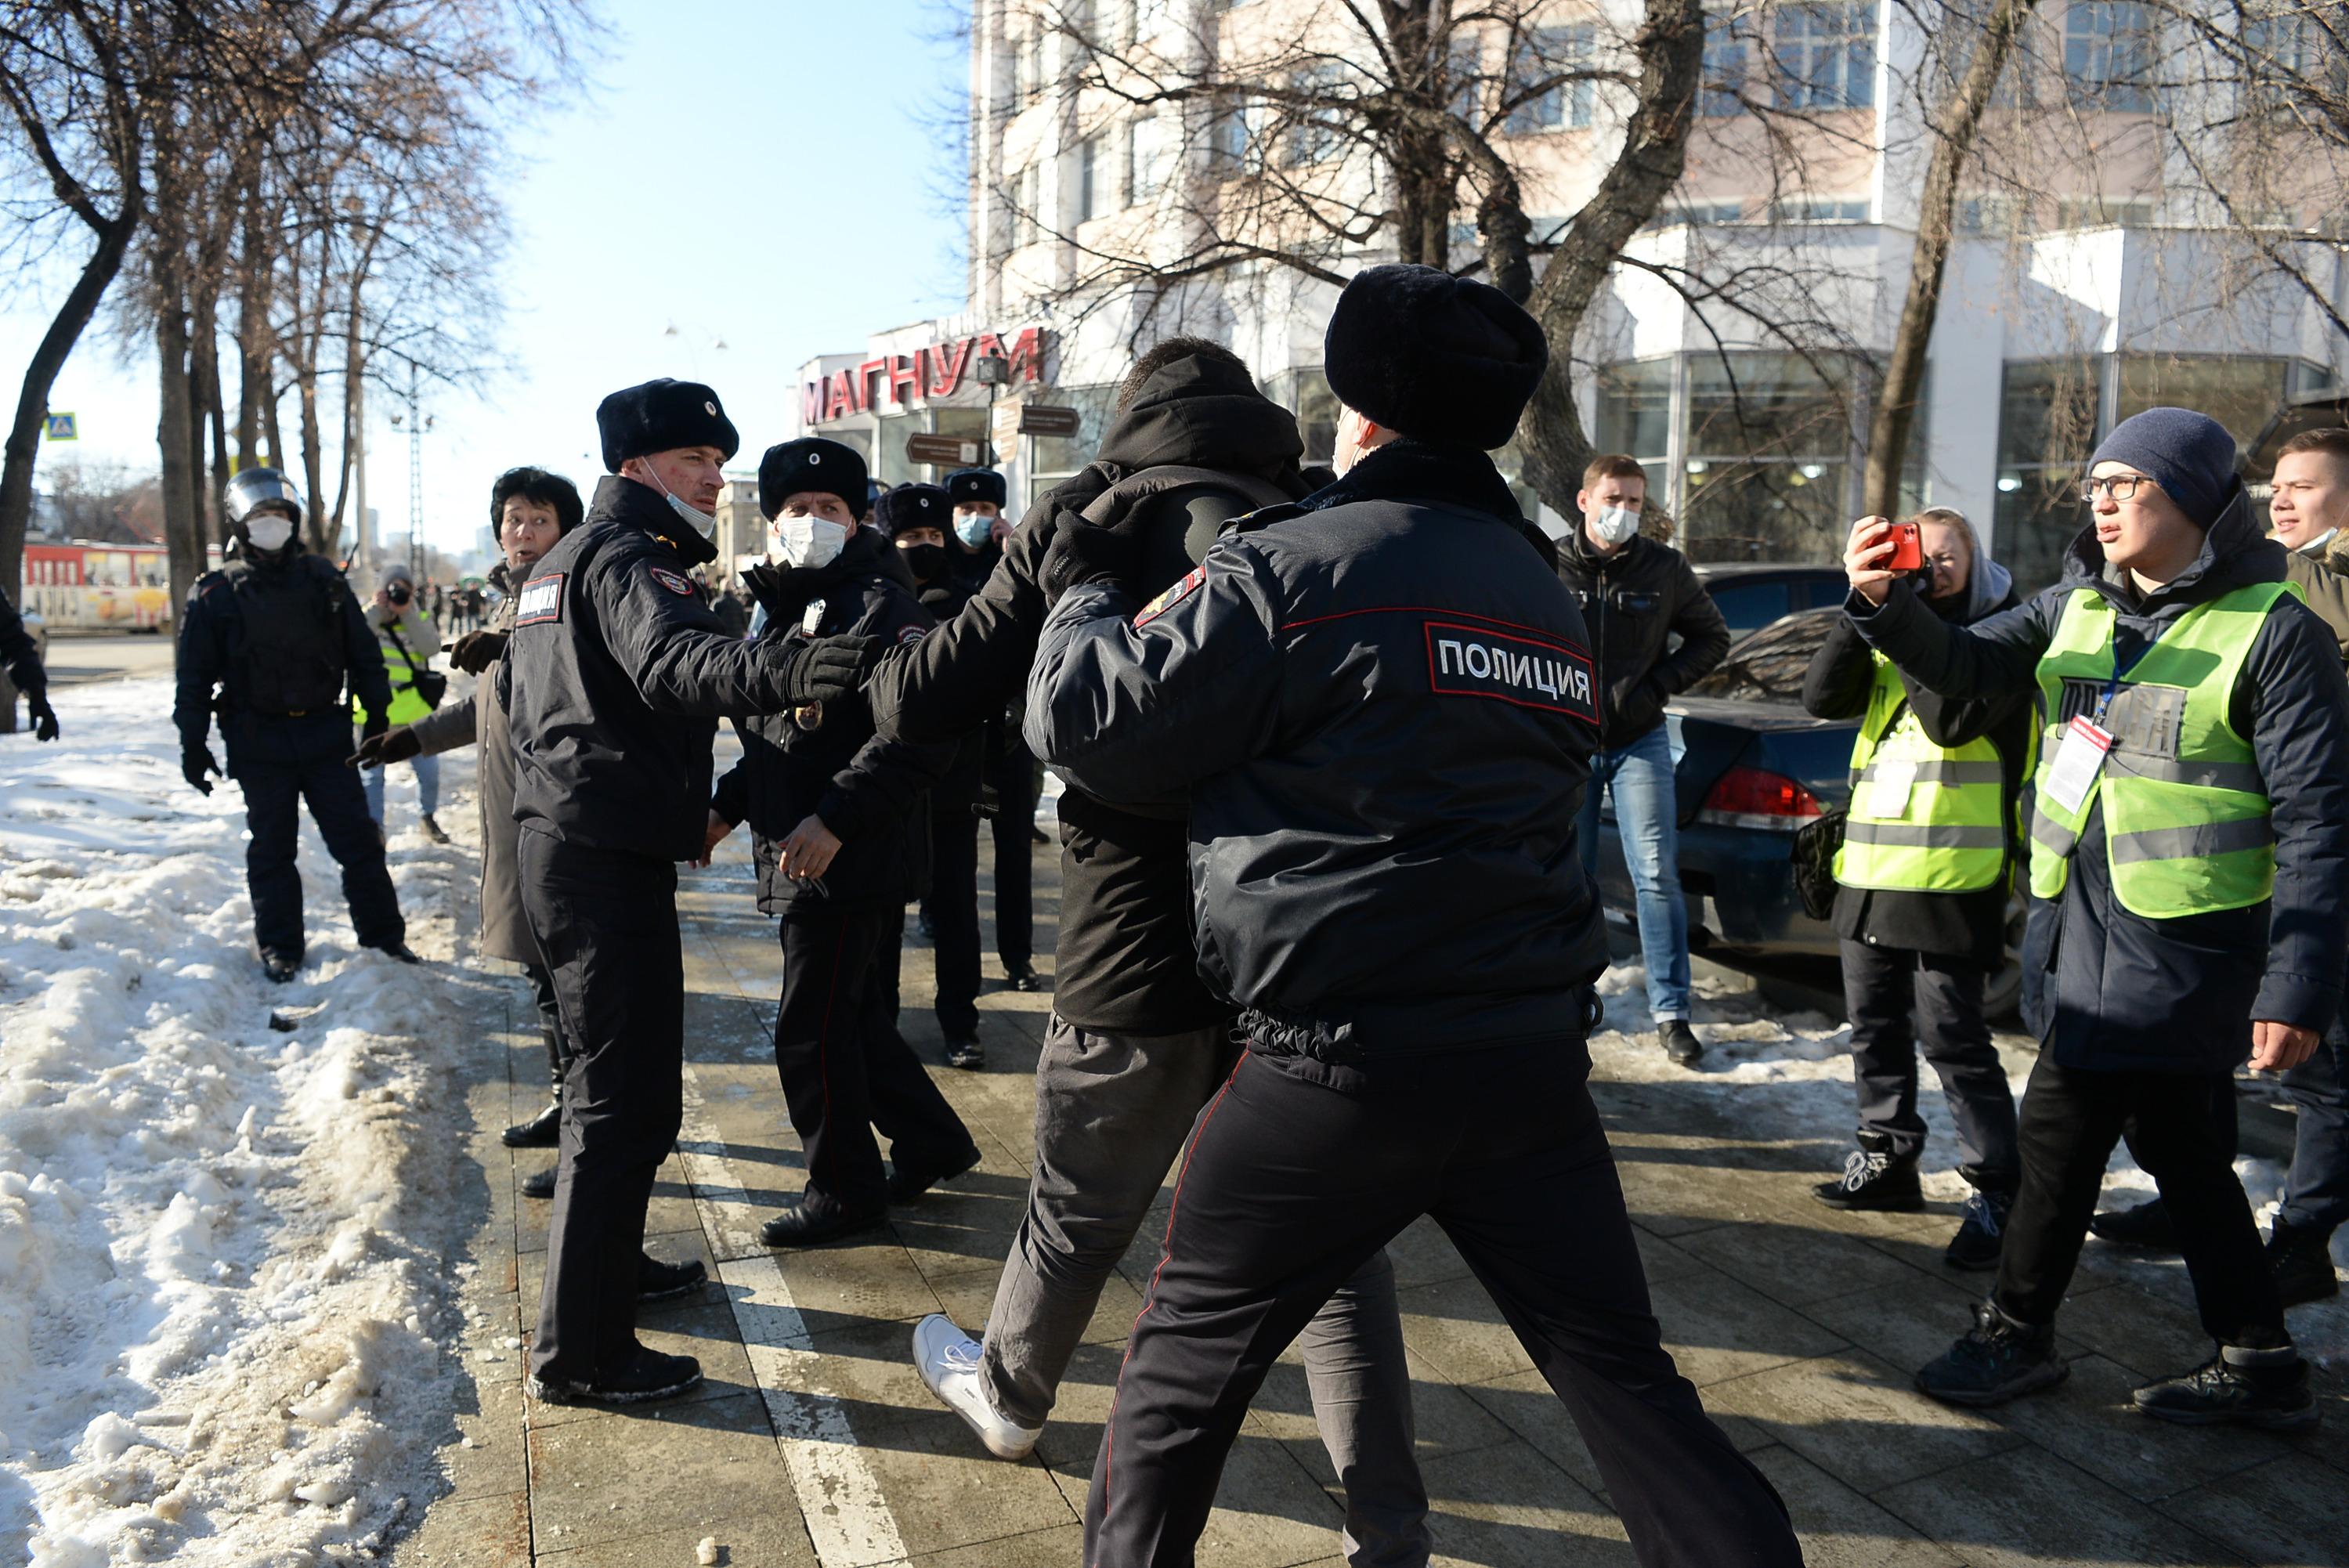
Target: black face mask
point(927, 562)
point(398, 593)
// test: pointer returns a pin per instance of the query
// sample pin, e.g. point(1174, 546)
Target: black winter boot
point(2302, 1262)
point(2144, 1224)
point(2236, 1388)
point(539, 1184)
point(540, 1132)
point(1875, 1178)
point(2000, 1359)
point(645, 1376)
point(1982, 1231)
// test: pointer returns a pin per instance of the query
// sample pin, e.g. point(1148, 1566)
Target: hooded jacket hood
point(1205, 413)
point(1988, 590)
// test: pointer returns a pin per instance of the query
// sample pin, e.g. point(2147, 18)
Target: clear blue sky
point(766, 173)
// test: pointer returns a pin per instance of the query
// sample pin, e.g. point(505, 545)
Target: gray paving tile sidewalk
point(815, 1445)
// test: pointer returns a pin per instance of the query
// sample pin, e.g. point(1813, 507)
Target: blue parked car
point(1753, 770)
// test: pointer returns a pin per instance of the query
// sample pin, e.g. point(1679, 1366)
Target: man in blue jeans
point(1635, 593)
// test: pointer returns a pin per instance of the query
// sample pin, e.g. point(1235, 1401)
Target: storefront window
point(1635, 416)
point(1769, 458)
point(1306, 393)
point(1055, 458)
point(2242, 394)
point(2047, 428)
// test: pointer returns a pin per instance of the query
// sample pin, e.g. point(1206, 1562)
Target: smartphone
point(1908, 548)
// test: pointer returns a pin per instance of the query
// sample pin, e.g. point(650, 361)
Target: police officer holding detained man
point(1379, 702)
point(613, 685)
point(278, 633)
point(2191, 816)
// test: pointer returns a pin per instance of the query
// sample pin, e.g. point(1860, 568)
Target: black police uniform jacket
point(1381, 705)
point(283, 638)
point(615, 679)
point(870, 793)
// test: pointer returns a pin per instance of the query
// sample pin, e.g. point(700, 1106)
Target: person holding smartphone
point(2190, 819)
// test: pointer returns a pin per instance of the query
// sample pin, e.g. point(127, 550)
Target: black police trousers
point(1298, 1171)
point(606, 928)
point(1011, 772)
point(2180, 1128)
point(281, 763)
point(953, 907)
point(845, 1068)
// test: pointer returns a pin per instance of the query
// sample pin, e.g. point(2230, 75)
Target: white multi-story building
point(1734, 352)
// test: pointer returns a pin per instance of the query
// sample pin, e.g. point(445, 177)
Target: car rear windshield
point(1768, 666)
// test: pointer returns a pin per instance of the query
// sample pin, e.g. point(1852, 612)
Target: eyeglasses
point(2120, 487)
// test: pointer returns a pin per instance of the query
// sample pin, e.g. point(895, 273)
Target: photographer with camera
point(1924, 876)
point(397, 618)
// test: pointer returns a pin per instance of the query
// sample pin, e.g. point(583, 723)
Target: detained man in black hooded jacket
point(1379, 705)
point(613, 686)
point(1136, 1042)
point(839, 820)
point(2155, 1006)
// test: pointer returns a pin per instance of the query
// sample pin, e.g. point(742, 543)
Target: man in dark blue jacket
point(2191, 813)
point(1380, 704)
point(840, 818)
point(613, 687)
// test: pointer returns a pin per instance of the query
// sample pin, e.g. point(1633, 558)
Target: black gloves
point(375, 725)
point(829, 669)
point(1084, 552)
point(386, 747)
point(44, 716)
point(477, 650)
point(196, 762)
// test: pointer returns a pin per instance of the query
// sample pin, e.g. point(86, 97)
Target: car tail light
point(1754, 798)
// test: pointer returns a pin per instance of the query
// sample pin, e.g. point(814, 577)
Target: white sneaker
point(947, 1359)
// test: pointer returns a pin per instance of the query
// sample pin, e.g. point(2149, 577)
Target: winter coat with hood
point(1125, 962)
point(1378, 704)
point(1841, 679)
point(2178, 995)
point(869, 792)
point(1633, 601)
point(480, 717)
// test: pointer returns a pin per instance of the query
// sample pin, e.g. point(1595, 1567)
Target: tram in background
point(97, 587)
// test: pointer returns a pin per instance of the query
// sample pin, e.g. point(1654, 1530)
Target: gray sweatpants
point(1111, 1113)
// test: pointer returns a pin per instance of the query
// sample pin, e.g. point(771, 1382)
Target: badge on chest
point(812, 618)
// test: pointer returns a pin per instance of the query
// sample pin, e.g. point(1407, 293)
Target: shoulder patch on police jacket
point(908, 636)
point(540, 601)
point(671, 580)
point(1173, 596)
point(1523, 667)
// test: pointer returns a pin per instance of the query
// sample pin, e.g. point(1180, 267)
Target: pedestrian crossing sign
point(60, 428)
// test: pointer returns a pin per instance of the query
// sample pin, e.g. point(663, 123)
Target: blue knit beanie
point(2190, 455)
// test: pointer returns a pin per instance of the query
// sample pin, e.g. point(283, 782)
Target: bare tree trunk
point(56, 346)
point(183, 532)
point(1954, 126)
point(354, 400)
point(204, 411)
point(272, 432)
point(1670, 50)
point(313, 457)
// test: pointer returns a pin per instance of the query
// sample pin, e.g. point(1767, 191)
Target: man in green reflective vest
point(2191, 821)
point(1925, 874)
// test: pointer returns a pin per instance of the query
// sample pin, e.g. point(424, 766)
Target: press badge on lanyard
point(1889, 790)
point(2078, 760)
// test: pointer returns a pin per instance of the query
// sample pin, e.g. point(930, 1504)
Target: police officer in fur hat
point(1346, 747)
point(613, 686)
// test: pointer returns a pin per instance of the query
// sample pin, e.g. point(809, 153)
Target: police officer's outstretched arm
point(682, 660)
point(2296, 701)
point(1994, 656)
point(1134, 709)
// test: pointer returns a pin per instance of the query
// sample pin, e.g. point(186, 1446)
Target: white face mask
point(702, 522)
point(805, 541)
point(269, 531)
point(1615, 525)
point(973, 527)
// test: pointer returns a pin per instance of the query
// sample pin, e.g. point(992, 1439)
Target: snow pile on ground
point(220, 1244)
point(1784, 1077)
